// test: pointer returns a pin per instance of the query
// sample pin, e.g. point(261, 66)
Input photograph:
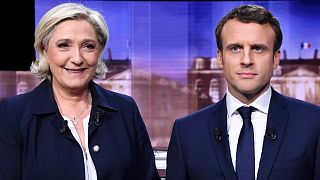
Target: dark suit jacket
point(32, 146)
point(291, 148)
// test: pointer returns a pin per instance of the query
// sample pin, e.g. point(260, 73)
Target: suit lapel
point(277, 122)
point(222, 149)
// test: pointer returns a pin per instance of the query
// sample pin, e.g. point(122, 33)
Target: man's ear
point(219, 59)
point(276, 59)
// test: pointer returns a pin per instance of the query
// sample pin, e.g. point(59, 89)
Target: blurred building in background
point(298, 78)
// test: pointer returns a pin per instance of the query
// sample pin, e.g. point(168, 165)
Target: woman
point(68, 127)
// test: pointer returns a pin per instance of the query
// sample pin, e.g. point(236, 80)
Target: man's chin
point(252, 92)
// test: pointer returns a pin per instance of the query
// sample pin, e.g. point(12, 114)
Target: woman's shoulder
point(14, 109)
point(20, 99)
point(31, 96)
point(111, 95)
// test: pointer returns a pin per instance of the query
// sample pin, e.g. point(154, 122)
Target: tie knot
point(245, 112)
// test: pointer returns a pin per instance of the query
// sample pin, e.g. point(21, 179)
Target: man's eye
point(258, 49)
point(235, 49)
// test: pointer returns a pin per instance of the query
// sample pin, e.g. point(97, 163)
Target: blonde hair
point(66, 11)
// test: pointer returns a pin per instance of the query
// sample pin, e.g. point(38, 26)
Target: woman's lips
point(75, 71)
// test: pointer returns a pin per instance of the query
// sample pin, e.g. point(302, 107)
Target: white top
point(90, 170)
point(259, 122)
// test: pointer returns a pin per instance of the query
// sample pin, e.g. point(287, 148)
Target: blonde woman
point(69, 127)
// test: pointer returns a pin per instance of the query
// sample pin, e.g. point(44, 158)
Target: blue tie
point(245, 149)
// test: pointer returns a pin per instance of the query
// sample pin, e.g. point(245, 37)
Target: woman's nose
point(77, 57)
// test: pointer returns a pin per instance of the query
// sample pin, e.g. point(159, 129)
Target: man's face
point(247, 58)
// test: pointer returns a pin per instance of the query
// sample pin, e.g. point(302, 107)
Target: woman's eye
point(63, 45)
point(89, 46)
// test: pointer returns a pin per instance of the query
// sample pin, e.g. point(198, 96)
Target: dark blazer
point(291, 148)
point(34, 145)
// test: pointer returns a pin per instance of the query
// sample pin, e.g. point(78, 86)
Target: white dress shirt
point(90, 170)
point(259, 122)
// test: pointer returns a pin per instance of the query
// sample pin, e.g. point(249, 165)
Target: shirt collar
point(44, 95)
point(261, 103)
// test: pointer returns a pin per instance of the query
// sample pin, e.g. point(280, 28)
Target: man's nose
point(247, 58)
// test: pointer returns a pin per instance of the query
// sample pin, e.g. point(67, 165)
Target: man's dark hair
point(249, 14)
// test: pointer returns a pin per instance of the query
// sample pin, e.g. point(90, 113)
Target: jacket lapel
point(278, 116)
point(102, 104)
point(57, 122)
point(218, 122)
point(46, 109)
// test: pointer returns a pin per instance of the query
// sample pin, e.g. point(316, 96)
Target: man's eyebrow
point(234, 45)
point(259, 45)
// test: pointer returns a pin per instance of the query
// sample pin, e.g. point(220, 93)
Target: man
point(281, 139)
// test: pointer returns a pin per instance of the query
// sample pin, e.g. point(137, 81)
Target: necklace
point(74, 121)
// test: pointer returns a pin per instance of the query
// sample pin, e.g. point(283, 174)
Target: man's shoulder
point(204, 113)
point(298, 109)
point(294, 103)
point(303, 107)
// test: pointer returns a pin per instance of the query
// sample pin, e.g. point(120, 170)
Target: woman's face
point(72, 54)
